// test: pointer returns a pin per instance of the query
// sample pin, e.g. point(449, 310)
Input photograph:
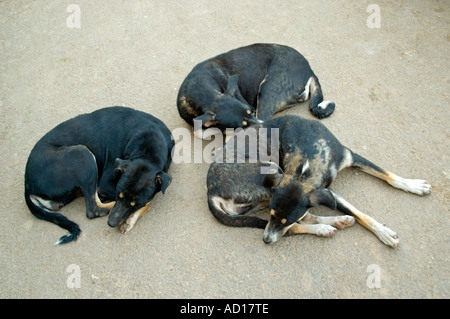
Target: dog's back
point(106, 129)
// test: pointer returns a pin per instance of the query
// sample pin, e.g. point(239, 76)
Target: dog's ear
point(322, 197)
point(232, 85)
point(272, 180)
point(302, 169)
point(206, 119)
point(120, 165)
point(163, 179)
point(273, 174)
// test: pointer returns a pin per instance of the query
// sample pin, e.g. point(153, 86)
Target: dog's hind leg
point(385, 234)
point(280, 90)
point(222, 212)
point(83, 167)
point(318, 107)
point(416, 186)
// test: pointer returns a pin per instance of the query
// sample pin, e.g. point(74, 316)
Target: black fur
point(229, 90)
point(110, 151)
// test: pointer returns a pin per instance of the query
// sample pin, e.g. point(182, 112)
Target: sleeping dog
point(310, 158)
point(117, 153)
point(237, 88)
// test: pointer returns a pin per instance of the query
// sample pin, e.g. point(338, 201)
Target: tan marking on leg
point(144, 210)
point(365, 220)
point(415, 186)
point(385, 234)
point(315, 229)
point(99, 203)
point(388, 177)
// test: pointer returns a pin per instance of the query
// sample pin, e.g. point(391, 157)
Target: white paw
point(386, 235)
point(342, 222)
point(129, 223)
point(125, 228)
point(416, 186)
point(324, 230)
point(324, 104)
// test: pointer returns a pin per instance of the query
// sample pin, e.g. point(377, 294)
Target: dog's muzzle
point(273, 232)
point(272, 235)
point(118, 214)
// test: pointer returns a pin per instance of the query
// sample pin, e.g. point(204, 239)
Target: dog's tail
point(234, 220)
point(56, 218)
point(318, 107)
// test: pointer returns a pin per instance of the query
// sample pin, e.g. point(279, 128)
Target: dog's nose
point(113, 220)
point(112, 223)
point(267, 240)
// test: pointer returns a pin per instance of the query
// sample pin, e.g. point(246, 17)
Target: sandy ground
point(391, 87)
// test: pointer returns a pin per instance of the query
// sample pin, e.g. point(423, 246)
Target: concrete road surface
point(386, 67)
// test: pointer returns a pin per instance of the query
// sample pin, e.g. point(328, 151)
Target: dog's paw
point(419, 186)
point(324, 109)
point(324, 230)
point(97, 212)
point(342, 222)
point(416, 186)
point(128, 224)
point(102, 212)
point(125, 227)
point(386, 235)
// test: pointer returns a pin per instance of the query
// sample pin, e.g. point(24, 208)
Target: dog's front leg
point(339, 222)
point(315, 229)
point(385, 234)
point(132, 219)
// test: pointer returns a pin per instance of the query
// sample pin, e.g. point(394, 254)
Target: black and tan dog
point(237, 88)
point(310, 158)
point(118, 153)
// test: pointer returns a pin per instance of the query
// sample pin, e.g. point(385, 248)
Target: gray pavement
point(391, 88)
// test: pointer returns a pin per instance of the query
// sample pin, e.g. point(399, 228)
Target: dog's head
point(229, 110)
point(290, 202)
point(138, 182)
